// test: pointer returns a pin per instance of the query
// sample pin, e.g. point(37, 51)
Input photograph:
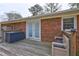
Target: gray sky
point(18, 7)
point(21, 6)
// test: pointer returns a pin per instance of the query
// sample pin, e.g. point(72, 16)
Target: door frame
point(33, 21)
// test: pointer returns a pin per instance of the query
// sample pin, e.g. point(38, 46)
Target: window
point(68, 23)
point(37, 29)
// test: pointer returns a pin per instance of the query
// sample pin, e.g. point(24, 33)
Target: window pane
point(36, 29)
point(68, 23)
point(30, 30)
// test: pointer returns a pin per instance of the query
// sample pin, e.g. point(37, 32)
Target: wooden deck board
point(23, 48)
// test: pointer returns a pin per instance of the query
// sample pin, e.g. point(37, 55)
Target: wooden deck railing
point(69, 44)
point(71, 37)
point(66, 38)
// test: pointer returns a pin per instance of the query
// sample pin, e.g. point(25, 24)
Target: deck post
point(73, 44)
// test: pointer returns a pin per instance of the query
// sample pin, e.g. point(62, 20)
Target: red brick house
point(19, 26)
point(45, 27)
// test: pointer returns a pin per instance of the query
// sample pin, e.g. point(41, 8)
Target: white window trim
point(75, 22)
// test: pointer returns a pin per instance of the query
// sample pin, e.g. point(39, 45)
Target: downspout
point(1, 37)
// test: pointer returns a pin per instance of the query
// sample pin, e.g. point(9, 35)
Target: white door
point(33, 30)
point(30, 30)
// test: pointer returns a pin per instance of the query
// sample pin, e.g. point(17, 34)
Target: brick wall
point(20, 26)
point(50, 28)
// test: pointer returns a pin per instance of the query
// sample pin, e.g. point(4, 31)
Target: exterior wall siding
point(50, 28)
point(77, 32)
point(20, 26)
